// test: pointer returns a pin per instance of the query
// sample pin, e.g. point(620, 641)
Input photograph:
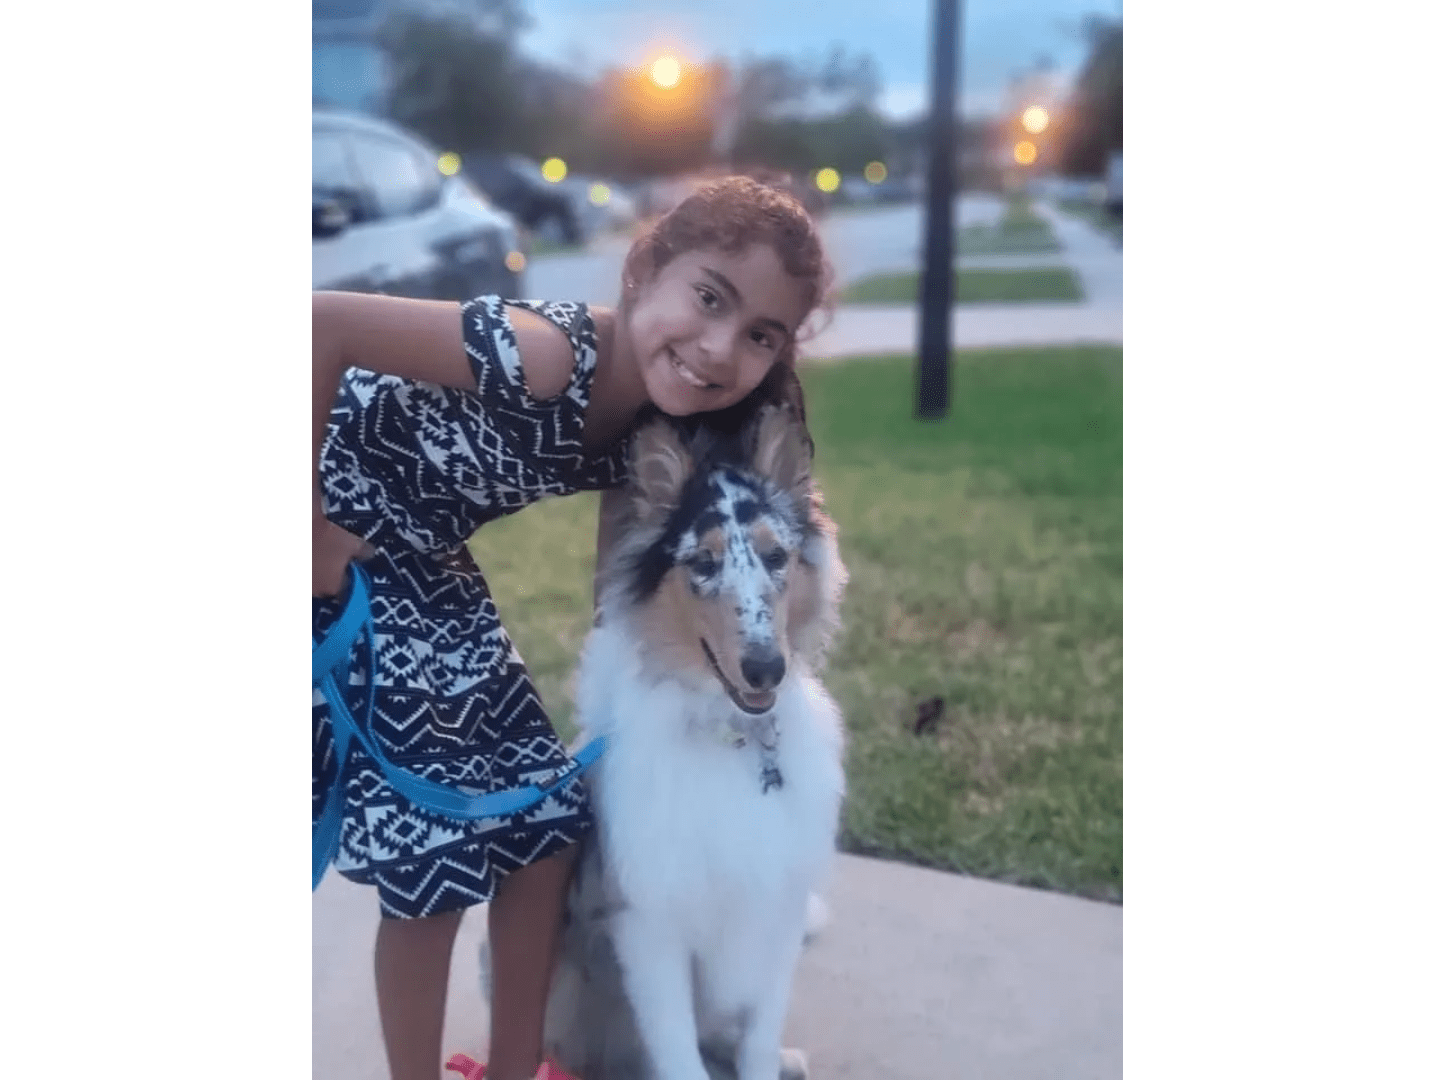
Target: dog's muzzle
point(751, 702)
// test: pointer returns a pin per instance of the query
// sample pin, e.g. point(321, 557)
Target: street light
point(827, 180)
point(1035, 119)
point(665, 72)
point(1025, 152)
point(554, 170)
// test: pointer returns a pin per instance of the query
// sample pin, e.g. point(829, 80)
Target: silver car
point(385, 219)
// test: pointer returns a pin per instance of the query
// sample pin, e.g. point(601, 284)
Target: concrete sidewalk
point(869, 329)
point(918, 975)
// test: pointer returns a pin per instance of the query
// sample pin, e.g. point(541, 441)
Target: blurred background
point(457, 140)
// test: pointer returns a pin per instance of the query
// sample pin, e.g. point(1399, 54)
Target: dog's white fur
point(689, 908)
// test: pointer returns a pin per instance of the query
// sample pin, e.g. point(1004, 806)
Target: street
point(858, 241)
point(868, 241)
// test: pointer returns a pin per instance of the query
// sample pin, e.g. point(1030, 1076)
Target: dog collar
point(770, 774)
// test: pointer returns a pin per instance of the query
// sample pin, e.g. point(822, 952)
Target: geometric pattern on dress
point(431, 464)
point(463, 875)
point(415, 468)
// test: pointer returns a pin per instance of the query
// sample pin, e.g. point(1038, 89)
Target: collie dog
point(717, 800)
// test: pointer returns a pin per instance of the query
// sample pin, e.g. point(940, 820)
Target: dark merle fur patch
point(708, 519)
point(745, 512)
point(696, 499)
point(715, 454)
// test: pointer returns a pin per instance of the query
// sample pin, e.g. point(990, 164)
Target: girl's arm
point(415, 339)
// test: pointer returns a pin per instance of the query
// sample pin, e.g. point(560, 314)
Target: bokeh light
point(599, 194)
point(827, 180)
point(515, 261)
point(1035, 120)
point(449, 163)
point(665, 71)
point(1025, 153)
point(876, 172)
point(554, 170)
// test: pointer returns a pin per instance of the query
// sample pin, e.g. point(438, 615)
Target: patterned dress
point(415, 468)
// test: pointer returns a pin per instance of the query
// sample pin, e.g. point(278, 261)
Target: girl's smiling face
point(706, 328)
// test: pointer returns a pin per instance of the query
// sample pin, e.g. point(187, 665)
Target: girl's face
point(706, 329)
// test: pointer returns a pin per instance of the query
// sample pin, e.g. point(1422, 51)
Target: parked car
point(516, 184)
point(601, 205)
point(386, 220)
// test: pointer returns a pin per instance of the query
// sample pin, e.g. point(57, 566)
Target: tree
point(560, 119)
point(802, 115)
point(852, 80)
point(650, 130)
point(1096, 124)
point(453, 72)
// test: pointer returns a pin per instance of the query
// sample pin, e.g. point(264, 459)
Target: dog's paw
point(793, 1065)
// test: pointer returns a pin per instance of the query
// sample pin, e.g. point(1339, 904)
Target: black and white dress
point(415, 468)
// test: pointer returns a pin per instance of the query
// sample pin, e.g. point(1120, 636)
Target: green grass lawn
point(1096, 216)
point(1020, 231)
point(985, 561)
point(1041, 283)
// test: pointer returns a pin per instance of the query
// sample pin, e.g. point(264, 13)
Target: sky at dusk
point(1000, 38)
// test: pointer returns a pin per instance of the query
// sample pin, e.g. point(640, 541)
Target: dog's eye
point(705, 565)
point(775, 559)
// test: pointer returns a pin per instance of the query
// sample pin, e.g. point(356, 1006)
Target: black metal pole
point(936, 290)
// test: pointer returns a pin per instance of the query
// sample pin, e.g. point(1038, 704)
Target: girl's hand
point(332, 550)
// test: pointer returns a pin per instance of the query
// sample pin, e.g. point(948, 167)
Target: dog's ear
point(781, 449)
point(660, 463)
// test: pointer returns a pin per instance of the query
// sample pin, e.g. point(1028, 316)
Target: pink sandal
point(470, 1069)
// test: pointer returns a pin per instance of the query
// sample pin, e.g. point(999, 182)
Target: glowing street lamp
point(1025, 153)
point(827, 180)
point(554, 170)
point(875, 172)
point(665, 72)
point(1035, 119)
point(449, 163)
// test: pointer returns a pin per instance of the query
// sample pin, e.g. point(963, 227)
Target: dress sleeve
point(494, 355)
point(523, 441)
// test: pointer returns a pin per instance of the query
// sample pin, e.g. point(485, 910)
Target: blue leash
point(331, 658)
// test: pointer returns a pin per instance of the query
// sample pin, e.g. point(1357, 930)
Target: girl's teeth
point(687, 374)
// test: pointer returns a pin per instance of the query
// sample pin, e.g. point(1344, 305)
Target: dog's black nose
point(763, 672)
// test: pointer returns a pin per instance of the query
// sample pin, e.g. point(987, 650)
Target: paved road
point(859, 242)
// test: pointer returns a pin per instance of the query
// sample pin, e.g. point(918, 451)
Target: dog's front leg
point(655, 966)
point(758, 1055)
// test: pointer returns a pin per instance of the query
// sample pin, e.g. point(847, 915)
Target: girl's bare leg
point(524, 932)
point(412, 974)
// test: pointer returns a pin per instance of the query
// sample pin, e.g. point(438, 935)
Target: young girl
point(432, 418)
